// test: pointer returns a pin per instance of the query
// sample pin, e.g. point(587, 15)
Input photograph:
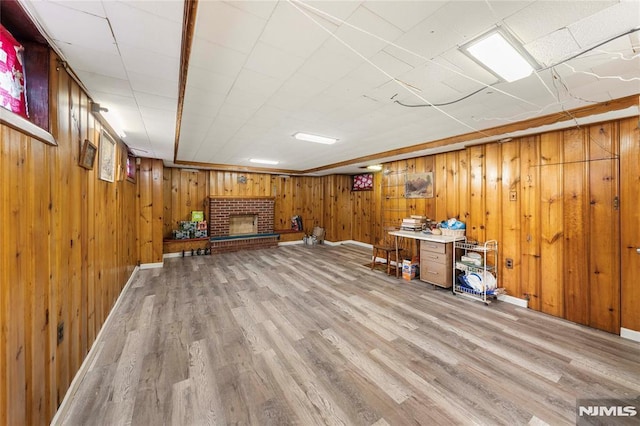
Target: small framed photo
point(88, 154)
point(131, 168)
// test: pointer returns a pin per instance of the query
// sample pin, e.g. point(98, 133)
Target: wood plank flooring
point(307, 335)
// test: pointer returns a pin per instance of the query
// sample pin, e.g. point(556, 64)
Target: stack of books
point(413, 223)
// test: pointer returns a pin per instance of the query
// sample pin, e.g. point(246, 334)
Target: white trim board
point(630, 334)
point(152, 265)
point(514, 300)
point(89, 359)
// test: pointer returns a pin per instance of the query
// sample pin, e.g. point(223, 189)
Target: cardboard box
point(409, 269)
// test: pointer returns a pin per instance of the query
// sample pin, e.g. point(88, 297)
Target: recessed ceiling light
point(260, 161)
point(375, 167)
point(501, 54)
point(314, 138)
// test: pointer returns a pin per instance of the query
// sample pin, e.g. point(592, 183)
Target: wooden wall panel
point(463, 187)
point(54, 261)
point(150, 187)
point(452, 208)
point(444, 191)
point(630, 222)
point(183, 192)
point(510, 219)
point(530, 207)
point(475, 224)
point(492, 189)
point(604, 248)
point(576, 210)
point(551, 225)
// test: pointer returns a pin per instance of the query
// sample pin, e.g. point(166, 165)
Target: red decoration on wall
point(12, 93)
point(363, 182)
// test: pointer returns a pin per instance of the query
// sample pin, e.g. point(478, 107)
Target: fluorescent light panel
point(314, 138)
point(500, 54)
point(375, 167)
point(261, 161)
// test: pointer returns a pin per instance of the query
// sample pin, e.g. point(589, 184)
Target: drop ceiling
point(380, 76)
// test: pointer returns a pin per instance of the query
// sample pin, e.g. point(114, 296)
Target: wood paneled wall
point(550, 201)
point(151, 210)
point(68, 245)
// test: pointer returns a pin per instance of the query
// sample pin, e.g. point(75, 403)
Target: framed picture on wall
point(107, 157)
point(131, 168)
point(363, 182)
point(418, 185)
point(88, 154)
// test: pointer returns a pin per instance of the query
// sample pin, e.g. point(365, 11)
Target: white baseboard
point(514, 300)
point(630, 334)
point(357, 243)
point(152, 265)
point(170, 255)
point(290, 243)
point(89, 359)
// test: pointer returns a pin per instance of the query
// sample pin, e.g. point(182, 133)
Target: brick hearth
point(223, 207)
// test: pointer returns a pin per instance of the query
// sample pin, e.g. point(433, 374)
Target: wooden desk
point(418, 237)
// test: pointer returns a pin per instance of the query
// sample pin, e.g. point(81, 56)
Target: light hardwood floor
point(307, 335)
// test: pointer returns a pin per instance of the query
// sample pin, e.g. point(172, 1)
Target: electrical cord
point(444, 103)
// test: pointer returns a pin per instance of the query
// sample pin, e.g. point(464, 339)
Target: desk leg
point(397, 260)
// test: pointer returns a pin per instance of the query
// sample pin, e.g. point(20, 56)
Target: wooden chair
point(386, 249)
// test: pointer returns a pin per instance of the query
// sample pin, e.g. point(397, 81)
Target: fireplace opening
point(243, 224)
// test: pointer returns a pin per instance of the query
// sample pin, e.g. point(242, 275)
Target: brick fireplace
point(225, 210)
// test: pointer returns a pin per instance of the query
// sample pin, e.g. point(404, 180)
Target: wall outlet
point(513, 196)
point(509, 263)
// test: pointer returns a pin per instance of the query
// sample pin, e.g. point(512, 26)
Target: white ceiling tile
point(91, 60)
point(171, 10)
point(288, 20)
point(204, 99)
point(114, 101)
point(273, 62)
point(304, 85)
point(473, 18)
point(338, 9)
point(260, 8)
point(552, 48)
point(155, 101)
point(426, 40)
point(543, 17)
point(136, 27)
point(404, 14)
point(327, 64)
point(88, 30)
point(105, 84)
point(257, 83)
point(363, 35)
point(153, 85)
point(200, 78)
point(156, 65)
point(606, 23)
point(91, 7)
point(236, 112)
point(245, 99)
point(228, 26)
point(503, 9)
point(213, 57)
